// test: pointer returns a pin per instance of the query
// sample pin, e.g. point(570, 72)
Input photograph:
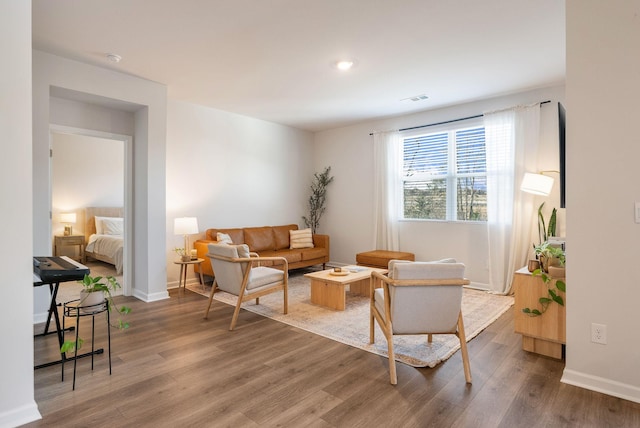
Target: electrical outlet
point(599, 333)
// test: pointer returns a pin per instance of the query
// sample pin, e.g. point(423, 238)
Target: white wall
point(149, 118)
point(230, 170)
point(603, 148)
point(86, 172)
point(17, 404)
point(349, 216)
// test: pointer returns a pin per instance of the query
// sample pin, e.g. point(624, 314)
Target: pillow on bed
point(113, 226)
point(109, 225)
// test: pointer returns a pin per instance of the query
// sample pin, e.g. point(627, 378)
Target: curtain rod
point(451, 121)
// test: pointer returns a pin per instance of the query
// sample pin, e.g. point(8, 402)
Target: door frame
point(127, 262)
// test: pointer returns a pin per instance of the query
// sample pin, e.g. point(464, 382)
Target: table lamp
point(185, 226)
point(68, 219)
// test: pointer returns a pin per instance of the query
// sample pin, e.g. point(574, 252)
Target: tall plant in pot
point(318, 198)
point(96, 290)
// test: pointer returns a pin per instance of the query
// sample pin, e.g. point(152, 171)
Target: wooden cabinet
point(544, 334)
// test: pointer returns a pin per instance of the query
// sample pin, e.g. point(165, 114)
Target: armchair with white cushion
point(237, 272)
point(419, 298)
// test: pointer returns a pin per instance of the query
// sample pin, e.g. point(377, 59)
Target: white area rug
point(351, 326)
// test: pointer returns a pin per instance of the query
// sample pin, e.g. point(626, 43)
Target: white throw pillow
point(99, 223)
point(300, 239)
point(223, 238)
point(112, 226)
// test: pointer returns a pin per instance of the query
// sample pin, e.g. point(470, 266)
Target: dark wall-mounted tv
point(562, 124)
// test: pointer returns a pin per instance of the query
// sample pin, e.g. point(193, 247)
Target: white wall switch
point(637, 212)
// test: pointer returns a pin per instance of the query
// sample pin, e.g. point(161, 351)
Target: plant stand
point(74, 309)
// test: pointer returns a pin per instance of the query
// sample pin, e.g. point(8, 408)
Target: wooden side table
point(182, 281)
point(544, 334)
point(70, 240)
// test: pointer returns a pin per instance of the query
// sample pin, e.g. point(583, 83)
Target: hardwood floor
point(174, 368)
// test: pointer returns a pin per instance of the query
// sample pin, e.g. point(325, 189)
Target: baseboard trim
point(153, 297)
point(602, 385)
point(20, 416)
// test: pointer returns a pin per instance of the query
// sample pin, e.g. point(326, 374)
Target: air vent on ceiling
point(415, 98)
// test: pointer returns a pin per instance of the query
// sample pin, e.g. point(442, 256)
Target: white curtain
point(511, 138)
point(387, 199)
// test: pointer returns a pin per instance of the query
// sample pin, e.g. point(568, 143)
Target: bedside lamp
point(185, 226)
point(68, 219)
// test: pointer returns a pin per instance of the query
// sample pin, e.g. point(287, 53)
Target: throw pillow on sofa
point(300, 239)
point(223, 238)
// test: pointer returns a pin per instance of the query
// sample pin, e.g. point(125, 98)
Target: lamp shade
point(68, 218)
point(185, 226)
point(537, 184)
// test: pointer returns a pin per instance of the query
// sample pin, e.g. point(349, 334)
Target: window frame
point(451, 176)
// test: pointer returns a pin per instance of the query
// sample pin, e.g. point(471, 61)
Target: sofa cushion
point(313, 253)
point(300, 239)
point(260, 238)
point(291, 256)
point(282, 235)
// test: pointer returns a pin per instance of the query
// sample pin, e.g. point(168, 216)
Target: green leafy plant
point(544, 231)
point(552, 292)
point(317, 199)
point(95, 284)
point(548, 251)
point(180, 251)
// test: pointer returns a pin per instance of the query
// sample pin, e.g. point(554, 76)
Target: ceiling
point(272, 59)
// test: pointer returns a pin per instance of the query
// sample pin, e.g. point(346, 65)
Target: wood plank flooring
point(174, 368)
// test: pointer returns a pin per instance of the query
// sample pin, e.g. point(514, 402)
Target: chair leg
point(372, 328)
point(236, 312)
point(286, 295)
point(463, 349)
point(213, 290)
point(393, 377)
point(429, 337)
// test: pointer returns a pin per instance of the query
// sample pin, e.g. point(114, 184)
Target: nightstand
point(70, 240)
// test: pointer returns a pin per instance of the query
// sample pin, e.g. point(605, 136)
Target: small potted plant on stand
point(94, 291)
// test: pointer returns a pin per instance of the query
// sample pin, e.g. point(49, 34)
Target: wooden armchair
point(236, 273)
point(419, 298)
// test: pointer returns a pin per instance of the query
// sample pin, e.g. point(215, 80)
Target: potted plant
point(317, 198)
point(94, 291)
point(550, 256)
point(183, 254)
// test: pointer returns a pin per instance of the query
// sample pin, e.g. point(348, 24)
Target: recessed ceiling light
point(114, 58)
point(344, 64)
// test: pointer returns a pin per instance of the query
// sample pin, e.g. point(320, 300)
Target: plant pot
point(88, 299)
point(533, 265)
point(185, 258)
point(557, 271)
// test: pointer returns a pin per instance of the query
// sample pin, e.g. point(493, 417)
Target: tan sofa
point(267, 241)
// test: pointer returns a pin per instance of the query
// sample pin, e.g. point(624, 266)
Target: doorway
point(91, 169)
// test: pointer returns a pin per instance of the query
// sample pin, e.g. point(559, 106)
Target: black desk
point(54, 285)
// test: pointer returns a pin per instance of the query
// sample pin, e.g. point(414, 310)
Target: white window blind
point(444, 175)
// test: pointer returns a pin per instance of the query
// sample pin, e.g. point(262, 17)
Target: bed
point(104, 235)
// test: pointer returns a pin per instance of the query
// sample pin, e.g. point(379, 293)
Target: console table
point(544, 334)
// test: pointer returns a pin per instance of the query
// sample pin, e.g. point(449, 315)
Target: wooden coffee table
point(328, 289)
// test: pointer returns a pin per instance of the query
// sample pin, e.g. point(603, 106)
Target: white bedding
point(110, 246)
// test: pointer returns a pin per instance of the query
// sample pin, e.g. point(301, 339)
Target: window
point(444, 175)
